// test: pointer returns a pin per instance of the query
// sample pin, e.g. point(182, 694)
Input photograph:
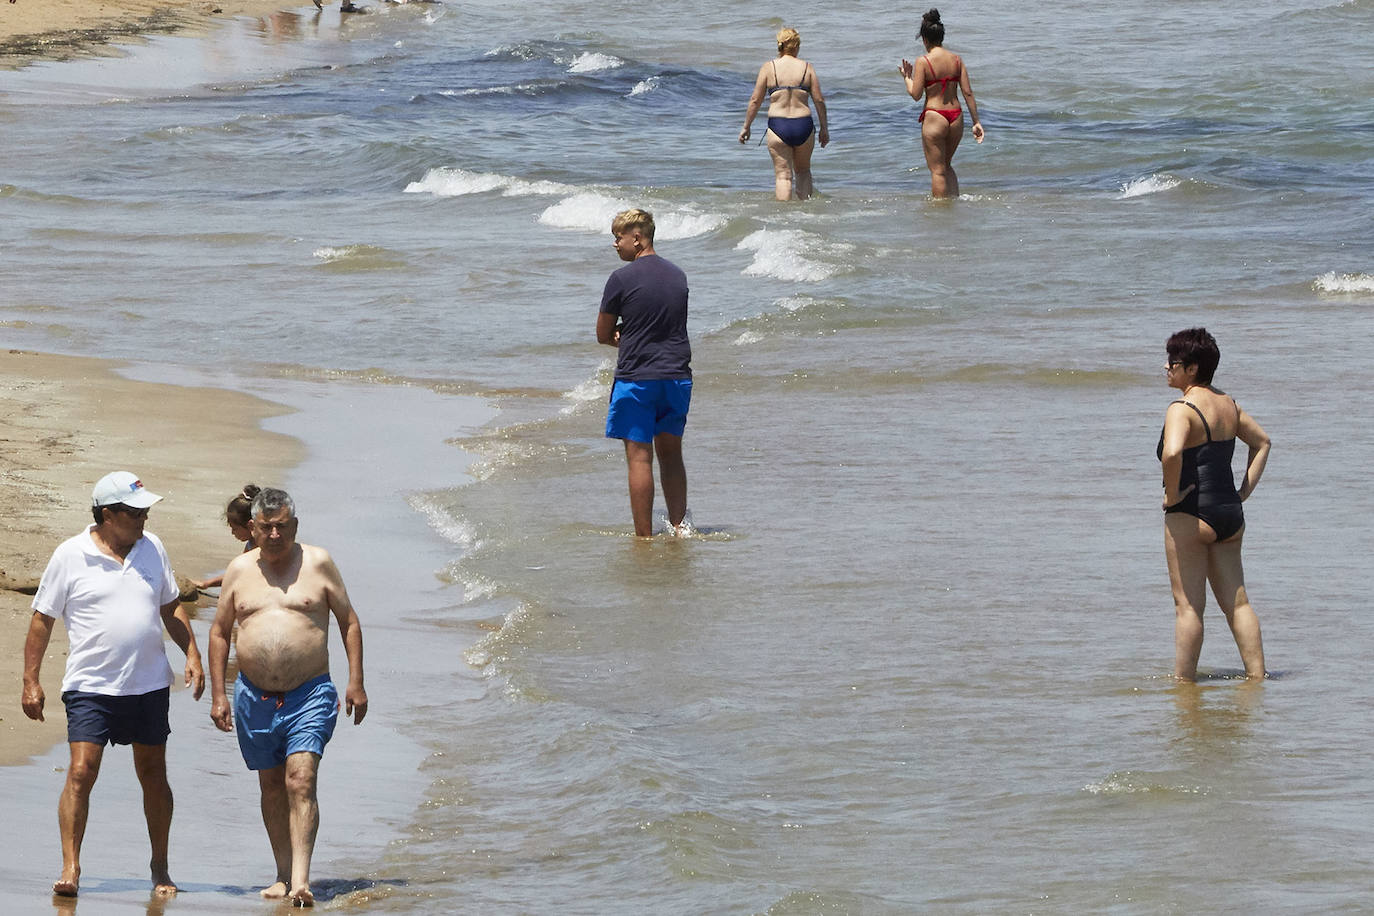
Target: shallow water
point(918, 656)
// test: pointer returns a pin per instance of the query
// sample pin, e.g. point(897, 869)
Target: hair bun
point(933, 16)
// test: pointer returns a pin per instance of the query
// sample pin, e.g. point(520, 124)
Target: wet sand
point(67, 421)
point(33, 30)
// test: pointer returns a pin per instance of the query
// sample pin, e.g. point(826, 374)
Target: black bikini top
point(806, 72)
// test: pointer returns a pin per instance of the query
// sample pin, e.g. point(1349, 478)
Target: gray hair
point(270, 501)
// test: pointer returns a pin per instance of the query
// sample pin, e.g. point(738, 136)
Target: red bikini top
point(944, 81)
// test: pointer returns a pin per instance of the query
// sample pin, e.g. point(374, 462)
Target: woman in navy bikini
point(937, 78)
point(788, 83)
point(1203, 522)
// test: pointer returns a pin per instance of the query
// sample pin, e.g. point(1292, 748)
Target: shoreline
point(32, 31)
point(65, 421)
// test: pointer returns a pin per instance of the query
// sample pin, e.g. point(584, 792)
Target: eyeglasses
point(1173, 364)
point(128, 510)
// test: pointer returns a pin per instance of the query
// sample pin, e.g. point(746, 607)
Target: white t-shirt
point(112, 612)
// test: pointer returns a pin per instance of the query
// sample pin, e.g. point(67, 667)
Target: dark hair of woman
point(932, 29)
point(1195, 347)
point(240, 508)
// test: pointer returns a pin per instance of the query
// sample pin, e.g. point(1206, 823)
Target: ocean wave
point(1129, 783)
point(455, 531)
point(489, 90)
point(1150, 184)
point(588, 210)
point(644, 87)
point(453, 182)
point(592, 390)
point(783, 255)
point(592, 61)
point(1333, 282)
point(491, 647)
point(359, 257)
point(593, 211)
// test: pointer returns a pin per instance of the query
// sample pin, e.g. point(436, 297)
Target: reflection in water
point(1216, 719)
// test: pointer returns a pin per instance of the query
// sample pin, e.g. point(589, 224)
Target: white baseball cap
point(122, 487)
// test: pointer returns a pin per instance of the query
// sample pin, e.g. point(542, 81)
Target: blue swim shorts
point(273, 726)
point(641, 410)
point(103, 719)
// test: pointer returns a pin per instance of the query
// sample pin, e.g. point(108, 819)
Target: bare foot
point(64, 888)
point(302, 897)
point(163, 885)
point(274, 891)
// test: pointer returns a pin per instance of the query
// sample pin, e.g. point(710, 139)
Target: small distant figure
point(344, 7)
point(644, 315)
point(788, 82)
point(1203, 520)
point(942, 120)
point(113, 587)
point(281, 594)
point(238, 513)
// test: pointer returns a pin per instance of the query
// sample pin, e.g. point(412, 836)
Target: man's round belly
point(280, 650)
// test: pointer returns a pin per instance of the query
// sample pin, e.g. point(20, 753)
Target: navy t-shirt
point(650, 296)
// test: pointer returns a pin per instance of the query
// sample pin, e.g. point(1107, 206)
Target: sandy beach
point(65, 422)
point(33, 30)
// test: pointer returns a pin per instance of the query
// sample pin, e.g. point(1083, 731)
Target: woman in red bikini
point(938, 78)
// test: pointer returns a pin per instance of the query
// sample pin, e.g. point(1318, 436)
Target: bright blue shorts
point(103, 719)
point(641, 410)
point(273, 726)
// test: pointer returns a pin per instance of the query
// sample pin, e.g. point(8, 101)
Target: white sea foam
point(1344, 283)
point(1150, 184)
point(686, 224)
point(451, 182)
point(491, 646)
point(591, 61)
point(747, 338)
point(794, 303)
point(591, 390)
point(782, 254)
point(593, 211)
point(358, 255)
point(455, 531)
point(485, 90)
point(588, 210)
point(644, 87)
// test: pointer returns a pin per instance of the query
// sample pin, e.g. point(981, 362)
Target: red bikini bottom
point(951, 114)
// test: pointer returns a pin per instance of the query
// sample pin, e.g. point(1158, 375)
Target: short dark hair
point(270, 501)
point(932, 29)
point(1195, 347)
point(99, 515)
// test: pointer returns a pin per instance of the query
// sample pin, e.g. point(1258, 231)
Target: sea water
point(918, 656)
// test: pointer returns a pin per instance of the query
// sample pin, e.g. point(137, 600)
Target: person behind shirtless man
point(281, 594)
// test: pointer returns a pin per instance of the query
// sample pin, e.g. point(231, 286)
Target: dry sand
point(32, 30)
point(67, 421)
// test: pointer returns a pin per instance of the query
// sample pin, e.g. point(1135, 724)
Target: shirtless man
point(281, 594)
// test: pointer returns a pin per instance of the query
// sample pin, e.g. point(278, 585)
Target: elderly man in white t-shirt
point(113, 587)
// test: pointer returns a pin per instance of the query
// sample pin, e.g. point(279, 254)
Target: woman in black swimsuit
point(1203, 522)
point(787, 83)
